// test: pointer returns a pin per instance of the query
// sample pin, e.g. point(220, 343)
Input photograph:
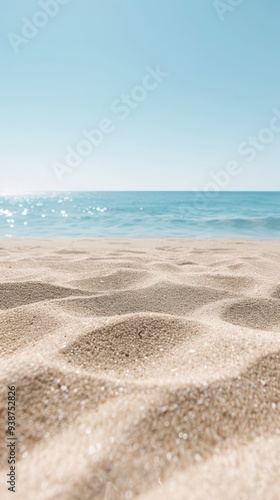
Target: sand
point(143, 369)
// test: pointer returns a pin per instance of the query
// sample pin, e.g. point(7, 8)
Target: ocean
point(147, 214)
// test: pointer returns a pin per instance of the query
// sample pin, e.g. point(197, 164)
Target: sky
point(139, 95)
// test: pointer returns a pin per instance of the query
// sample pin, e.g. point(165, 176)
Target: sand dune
point(144, 369)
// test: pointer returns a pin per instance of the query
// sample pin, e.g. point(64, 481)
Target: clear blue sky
point(222, 86)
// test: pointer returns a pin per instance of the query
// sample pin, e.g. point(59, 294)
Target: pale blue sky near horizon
point(222, 87)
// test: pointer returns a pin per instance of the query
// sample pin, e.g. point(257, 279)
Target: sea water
point(141, 215)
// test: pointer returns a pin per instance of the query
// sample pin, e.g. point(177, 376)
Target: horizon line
point(51, 191)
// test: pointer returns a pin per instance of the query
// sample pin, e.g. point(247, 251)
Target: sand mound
point(262, 314)
point(135, 340)
point(115, 281)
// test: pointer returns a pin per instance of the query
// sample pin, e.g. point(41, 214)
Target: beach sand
point(143, 369)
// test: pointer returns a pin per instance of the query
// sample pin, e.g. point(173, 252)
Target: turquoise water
point(141, 215)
